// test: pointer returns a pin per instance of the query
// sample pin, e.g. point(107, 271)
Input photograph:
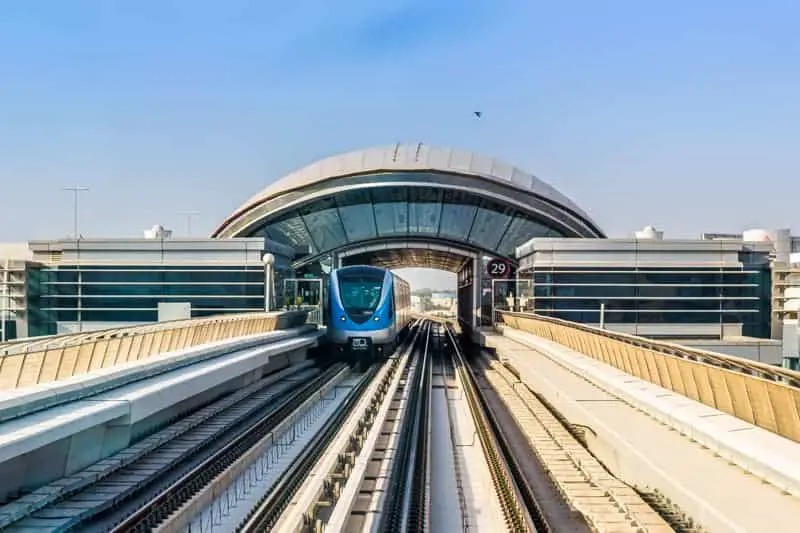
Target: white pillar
point(269, 280)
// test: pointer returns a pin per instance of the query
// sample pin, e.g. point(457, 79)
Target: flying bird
point(478, 113)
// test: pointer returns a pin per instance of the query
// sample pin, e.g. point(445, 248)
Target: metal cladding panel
point(630, 252)
point(521, 179)
point(351, 162)
point(483, 165)
point(502, 170)
point(376, 158)
point(460, 161)
point(333, 166)
point(438, 158)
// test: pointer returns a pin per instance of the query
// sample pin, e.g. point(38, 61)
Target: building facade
point(70, 286)
point(676, 289)
point(14, 267)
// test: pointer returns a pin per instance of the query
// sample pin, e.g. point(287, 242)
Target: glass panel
point(666, 291)
point(575, 304)
point(70, 316)
point(120, 315)
point(358, 218)
point(242, 302)
point(680, 305)
point(70, 276)
point(214, 289)
point(291, 231)
point(255, 275)
point(109, 302)
point(105, 276)
point(391, 211)
point(488, 228)
point(577, 316)
point(666, 317)
point(686, 278)
point(458, 212)
point(424, 210)
point(322, 221)
point(50, 302)
point(587, 291)
point(521, 230)
point(59, 288)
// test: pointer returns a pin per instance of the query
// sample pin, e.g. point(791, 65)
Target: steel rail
point(394, 514)
point(172, 497)
point(415, 508)
point(520, 508)
point(268, 511)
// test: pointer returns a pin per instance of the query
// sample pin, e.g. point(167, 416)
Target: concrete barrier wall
point(763, 395)
point(55, 358)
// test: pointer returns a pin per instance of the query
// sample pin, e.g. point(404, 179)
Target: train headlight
point(342, 318)
point(376, 318)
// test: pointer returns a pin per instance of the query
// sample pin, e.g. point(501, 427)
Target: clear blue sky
point(682, 114)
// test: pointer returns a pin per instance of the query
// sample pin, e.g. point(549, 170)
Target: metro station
point(408, 205)
point(586, 383)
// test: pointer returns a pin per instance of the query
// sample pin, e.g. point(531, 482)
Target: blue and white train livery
point(368, 310)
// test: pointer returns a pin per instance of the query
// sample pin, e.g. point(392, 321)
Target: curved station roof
point(409, 192)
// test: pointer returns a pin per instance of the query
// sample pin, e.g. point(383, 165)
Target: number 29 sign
point(499, 268)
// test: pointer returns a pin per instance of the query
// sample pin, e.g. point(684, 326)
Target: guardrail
point(23, 364)
point(761, 394)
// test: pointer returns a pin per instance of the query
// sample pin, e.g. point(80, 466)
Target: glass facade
point(354, 216)
point(101, 293)
point(657, 295)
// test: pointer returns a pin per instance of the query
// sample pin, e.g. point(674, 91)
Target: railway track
point(405, 506)
point(383, 442)
point(601, 500)
point(519, 507)
point(269, 510)
point(170, 498)
point(449, 381)
point(318, 506)
point(114, 487)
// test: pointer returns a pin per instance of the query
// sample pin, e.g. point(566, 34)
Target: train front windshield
point(360, 291)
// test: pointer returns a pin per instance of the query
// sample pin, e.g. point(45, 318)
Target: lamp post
point(269, 273)
point(188, 215)
point(76, 190)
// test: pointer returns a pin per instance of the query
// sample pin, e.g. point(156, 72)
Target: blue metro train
point(368, 311)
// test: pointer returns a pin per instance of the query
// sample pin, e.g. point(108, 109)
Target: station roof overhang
point(412, 253)
point(409, 192)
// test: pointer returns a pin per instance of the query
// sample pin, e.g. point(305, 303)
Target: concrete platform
point(637, 429)
point(27, 400)
point(51, 443)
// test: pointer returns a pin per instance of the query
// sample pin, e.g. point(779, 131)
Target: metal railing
point(33, 362)
point(758, 393)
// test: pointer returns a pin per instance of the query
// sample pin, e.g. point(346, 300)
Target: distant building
point(678, 289)
point(63, 286)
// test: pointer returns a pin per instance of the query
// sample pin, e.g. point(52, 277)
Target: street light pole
point(188, 215)
point(76, 190)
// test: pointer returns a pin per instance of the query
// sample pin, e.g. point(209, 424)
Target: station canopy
point(408, 205)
